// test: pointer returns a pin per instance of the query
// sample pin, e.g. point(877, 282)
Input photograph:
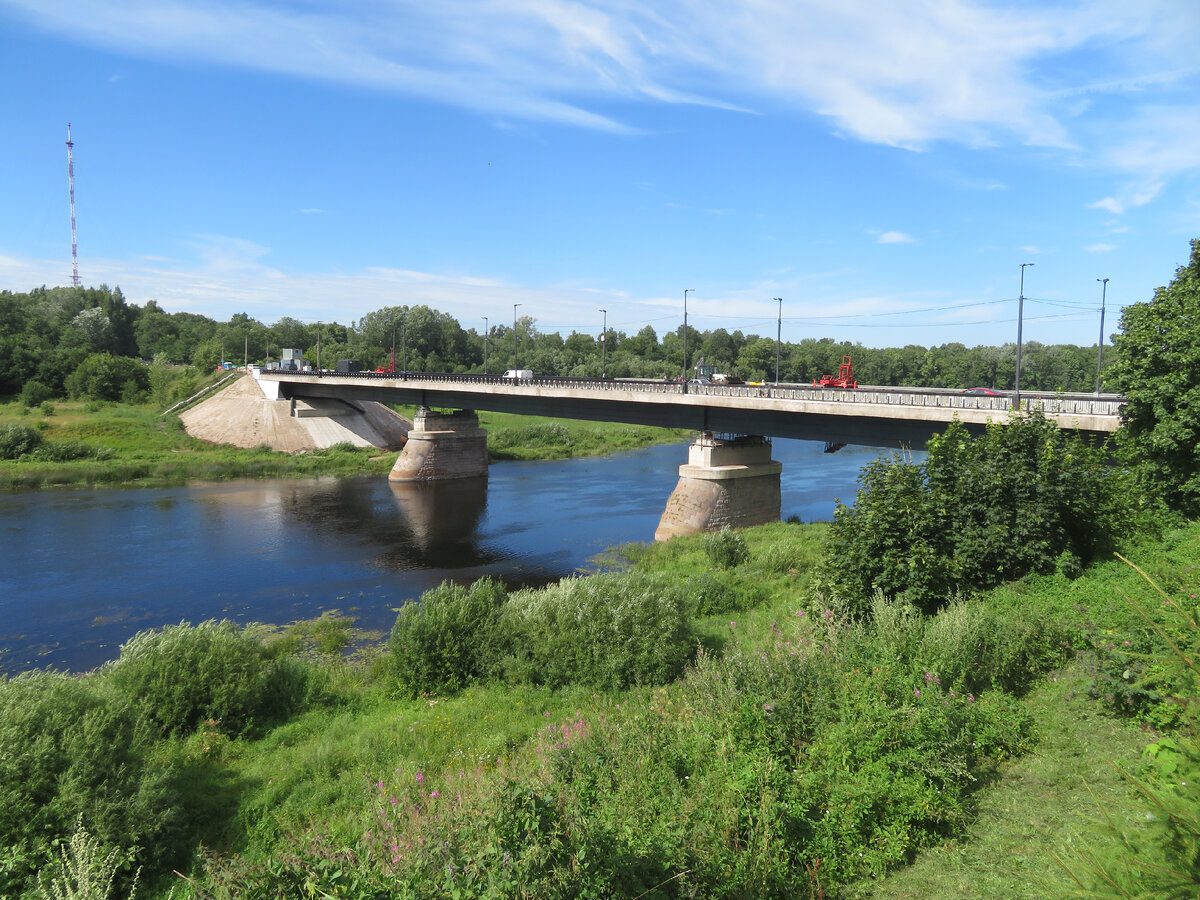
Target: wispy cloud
point(1100, 248)
point(895, 237)
point(905, 74)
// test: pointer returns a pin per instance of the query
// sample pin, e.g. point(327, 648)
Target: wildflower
point(420, 777)
point(733, 624)
point(379, 785)
point(970, 698)
point(917, 691)
point(434, 794)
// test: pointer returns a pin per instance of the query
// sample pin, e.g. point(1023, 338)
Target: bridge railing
point(942, 398)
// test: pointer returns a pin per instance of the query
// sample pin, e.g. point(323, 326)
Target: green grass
point(530, 437)
point(1036, 811)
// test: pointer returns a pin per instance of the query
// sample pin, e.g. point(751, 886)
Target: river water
point(82, 571)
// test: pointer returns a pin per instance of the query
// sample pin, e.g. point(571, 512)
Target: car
point(699, 381)
point(984, 391)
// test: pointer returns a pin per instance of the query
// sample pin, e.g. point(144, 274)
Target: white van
point(521, 374)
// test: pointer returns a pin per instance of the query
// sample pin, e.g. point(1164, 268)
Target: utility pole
point(685, 365)
point(1100, 345)
point(778, 337)
point(603, 345)
point(485, 337)
point(515, 305)
point(71, 189)
point(1020, 318)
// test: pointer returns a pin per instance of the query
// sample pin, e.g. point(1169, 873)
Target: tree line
point(46, 334)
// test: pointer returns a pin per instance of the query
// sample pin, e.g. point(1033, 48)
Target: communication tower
point(71, 189)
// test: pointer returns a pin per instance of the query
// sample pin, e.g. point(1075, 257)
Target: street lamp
point(603, 354)
point(392, 364)
point(403, 344)
point(685, 365)
point(1020, 318)
point(515, 305)
point(778, 337)
point(1100, 346)
point(485, 337)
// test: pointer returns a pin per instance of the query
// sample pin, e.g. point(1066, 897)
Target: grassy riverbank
point(798, 755)
point(87, 444)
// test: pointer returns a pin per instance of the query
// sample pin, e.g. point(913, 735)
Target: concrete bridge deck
point(872, 416)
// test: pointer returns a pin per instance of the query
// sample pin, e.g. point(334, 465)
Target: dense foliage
point(186, 675)
point(75, 752)
point(48, 334)
point(1159, 371)
point(1023, 497)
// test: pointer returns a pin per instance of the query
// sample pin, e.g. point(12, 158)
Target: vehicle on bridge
point(845, 377)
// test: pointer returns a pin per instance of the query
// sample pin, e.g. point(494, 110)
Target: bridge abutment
point(732, 483)
point(442, 446)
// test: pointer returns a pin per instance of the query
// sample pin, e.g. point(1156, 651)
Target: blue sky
point(883, 167)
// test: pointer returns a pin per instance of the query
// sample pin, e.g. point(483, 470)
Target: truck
point(845, 377)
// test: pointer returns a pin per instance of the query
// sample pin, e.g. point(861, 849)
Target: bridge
point(730, 478)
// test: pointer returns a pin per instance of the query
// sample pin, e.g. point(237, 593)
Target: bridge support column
point(731, 483)
point(442, 446)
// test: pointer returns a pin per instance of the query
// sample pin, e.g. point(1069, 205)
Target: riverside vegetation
point(917, 700)
point(110, 443)
point(728, 715)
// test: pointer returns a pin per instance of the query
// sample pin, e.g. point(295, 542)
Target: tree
point(1158, 370)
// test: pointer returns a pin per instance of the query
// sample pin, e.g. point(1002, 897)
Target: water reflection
point(81, 571)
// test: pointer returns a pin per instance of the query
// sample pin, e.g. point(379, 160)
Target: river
point(82, 571)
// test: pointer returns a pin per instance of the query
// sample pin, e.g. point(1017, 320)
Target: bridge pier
point(731, 483)
point(442, 446)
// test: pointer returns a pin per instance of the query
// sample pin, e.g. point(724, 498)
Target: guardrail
point(942, 398)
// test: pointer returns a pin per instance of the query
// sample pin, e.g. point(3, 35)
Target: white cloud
point(1032, 249)
point(900, 74)
point(1111, 204)
point(896, 237)
point(1100, 248)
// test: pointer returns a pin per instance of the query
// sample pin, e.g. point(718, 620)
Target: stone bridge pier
point(441, 446)
point(726, 482)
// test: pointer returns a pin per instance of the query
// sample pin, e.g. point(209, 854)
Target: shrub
point(980, 511)
point(184, 675)
point(448, 638)
point(16, 440)
point(73, 752)
point(604, 631)
point(717, 593)
point(64, 451)
point(34, 393)
point(725, 549)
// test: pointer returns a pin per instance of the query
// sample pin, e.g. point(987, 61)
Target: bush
point(17, 440)
point(604, 631)
point(73, 752)
point(105, 377)
point(65, 451)
point(34, 393)
point(182, 676)
point(448, 638)
point(725, 549)
point(718, 593)
point(980, 511)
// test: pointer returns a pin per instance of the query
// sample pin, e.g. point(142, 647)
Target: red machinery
point(845, 377)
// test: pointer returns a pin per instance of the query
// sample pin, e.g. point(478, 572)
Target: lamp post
point(1020, 319)
point(392, 364)
point(685, 365)
point(403, 343)
point(515, 305)
point(1100, 345)
point(485, 337)
point(603, 345)
point(778, 337)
